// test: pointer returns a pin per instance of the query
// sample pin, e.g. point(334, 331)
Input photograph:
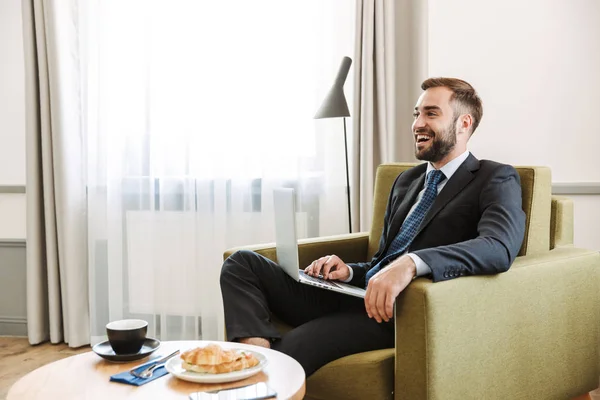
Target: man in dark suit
point(452, 216)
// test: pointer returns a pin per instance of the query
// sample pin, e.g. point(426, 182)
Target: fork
point(147, 373)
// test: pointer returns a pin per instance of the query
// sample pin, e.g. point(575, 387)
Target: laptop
point(287, 246)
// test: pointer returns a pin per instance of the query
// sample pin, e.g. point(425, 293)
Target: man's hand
point(331, 267)
point(386, 285)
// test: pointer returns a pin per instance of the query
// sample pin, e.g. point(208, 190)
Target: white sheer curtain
point(196, 110)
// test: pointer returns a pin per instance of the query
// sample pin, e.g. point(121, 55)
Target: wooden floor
point(18, 357)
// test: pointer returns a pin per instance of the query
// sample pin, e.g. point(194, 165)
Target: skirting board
point(13, 326)
point(576, 188)
point(12, 189)
point(13, 320)
point(12, 242)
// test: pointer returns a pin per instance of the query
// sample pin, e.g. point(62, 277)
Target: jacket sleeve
point(501, 229)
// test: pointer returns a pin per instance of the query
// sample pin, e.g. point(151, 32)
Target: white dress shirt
point(449, 169)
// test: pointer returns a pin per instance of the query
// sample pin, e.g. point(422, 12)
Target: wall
point(12, 122)
point(12, 171)
point(535, 64)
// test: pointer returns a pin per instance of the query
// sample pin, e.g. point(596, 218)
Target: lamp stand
point(347, 180)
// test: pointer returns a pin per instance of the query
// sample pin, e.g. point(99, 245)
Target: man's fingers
point(334, 274)
point(315, 268)
point(309, 269)
point(319, 265)
point(327, 265)
point(324, 266)
point(380, 305)
point(380, 298)
point(372, 301)
point(368, 300)
point(389, 306)
point(340, 271)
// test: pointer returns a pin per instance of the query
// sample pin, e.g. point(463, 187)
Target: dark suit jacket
point(475, 226)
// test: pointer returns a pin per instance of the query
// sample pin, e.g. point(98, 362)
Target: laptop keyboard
point(319, 281)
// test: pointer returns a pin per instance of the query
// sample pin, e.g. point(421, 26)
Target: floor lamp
point(335, 106)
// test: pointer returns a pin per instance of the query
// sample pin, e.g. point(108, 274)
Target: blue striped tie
point(411, 224)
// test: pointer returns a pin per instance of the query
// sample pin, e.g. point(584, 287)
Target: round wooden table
point(86, 376)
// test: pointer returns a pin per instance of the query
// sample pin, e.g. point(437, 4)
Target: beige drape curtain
point(390, 64)
point(57, 274)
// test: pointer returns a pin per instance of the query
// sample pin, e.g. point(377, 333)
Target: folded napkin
point(126, 377)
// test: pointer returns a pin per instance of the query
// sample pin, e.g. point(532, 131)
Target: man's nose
point(418, 124)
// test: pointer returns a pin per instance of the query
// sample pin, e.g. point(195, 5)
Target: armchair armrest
point(349, 247)
point(468, 338)
point(561, 222)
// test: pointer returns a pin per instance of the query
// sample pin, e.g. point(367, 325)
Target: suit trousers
point(326, 325)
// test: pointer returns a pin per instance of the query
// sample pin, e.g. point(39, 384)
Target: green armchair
point(530, 333)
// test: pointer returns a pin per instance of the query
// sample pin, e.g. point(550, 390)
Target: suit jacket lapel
point(402, 211)
point(460, 179)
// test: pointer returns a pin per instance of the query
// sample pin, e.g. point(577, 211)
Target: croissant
point(212, 354)
point(212, 359)
point(247, 361)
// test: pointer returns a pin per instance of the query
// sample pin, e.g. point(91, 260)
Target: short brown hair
point(463, 95)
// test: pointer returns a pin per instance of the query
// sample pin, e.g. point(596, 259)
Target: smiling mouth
point(422, 139)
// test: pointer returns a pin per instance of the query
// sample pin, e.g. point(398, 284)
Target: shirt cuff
point(422, 267)
point(351, 275)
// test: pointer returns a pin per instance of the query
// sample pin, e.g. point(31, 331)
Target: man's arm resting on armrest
point(501, 231)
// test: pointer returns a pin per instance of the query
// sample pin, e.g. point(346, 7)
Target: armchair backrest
point(536, 189)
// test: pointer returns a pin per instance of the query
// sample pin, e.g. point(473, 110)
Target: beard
point(442, 144)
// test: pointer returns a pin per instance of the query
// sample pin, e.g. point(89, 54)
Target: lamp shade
point(335, 104)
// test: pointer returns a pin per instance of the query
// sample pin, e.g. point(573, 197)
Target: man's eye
point(415, 115)
point(431, 114)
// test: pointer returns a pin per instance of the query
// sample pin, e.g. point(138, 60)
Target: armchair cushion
point(369, 375)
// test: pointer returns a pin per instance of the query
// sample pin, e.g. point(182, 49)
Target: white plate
point(175, 368)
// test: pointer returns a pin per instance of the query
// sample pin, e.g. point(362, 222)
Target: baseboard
point(13, 267)
point(13, 242)
point(13, 326)
point(12, 189)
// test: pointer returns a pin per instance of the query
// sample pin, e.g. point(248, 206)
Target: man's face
point(434, 126)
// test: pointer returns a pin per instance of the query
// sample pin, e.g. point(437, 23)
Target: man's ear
point(466, 122)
